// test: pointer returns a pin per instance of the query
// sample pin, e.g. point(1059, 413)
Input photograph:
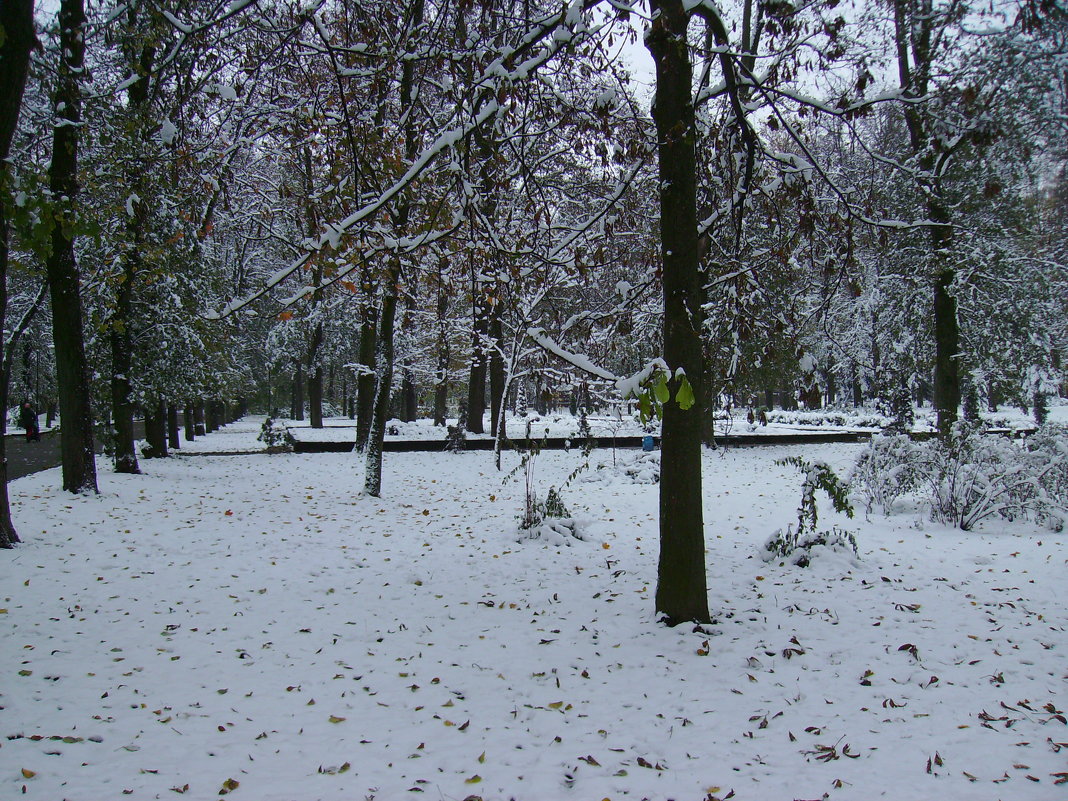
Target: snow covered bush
point(887, 469)
point(798, 546)
point(971, 477)
point(642, 469)
point(549, 520)
point(275, 436)
point(1048, 449)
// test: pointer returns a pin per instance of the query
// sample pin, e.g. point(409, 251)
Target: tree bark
point(173, 438)
point(441, 374)
point(365, 381)
point(211, 421)
point(156, 430)
point(297, 409)
point(476, 385)
point(409, 398)
point(122, 409)
point(496, 368)
point(315, 396)
point(76, 432)
point(199, 419)
point(189, 418)
point(681, 592)
point(16, 20)
point(383, 385)
point(391, 291)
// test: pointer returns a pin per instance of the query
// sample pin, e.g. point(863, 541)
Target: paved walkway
point(25, 457)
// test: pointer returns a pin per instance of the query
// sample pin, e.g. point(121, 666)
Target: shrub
point(887, 469)
point(274, 435)
point(796, 545)
point(970, 477)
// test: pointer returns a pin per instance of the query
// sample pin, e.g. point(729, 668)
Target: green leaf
point(684, 397)
point(660, 388)
point(644, 408)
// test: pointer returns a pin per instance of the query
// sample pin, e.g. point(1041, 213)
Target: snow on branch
point(579, 360)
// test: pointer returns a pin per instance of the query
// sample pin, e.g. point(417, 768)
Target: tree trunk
point(384, 351)
point(946, 388)
point(156, 430)
point(384, 383)
point(441, 374)
point(199, 419)
point(122, 410)
point(409, 398)
point(8, 535)
point(297, 412)
point(173, 438)
point(189, 418)
point(16, 20)
point(72, 372)
point(365, 381)
point(211, 422)
point(476, 386)
point(681, 592)
point(496, 369)
point(315, 397)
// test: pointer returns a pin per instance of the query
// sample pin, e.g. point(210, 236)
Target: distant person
point(28, 421)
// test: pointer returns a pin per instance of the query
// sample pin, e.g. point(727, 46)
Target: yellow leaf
point(336, 719)
point(344, 768)
point(482, 758)
point(556, 704)
point(473, 780)
point(229, 786)
point(28, 774)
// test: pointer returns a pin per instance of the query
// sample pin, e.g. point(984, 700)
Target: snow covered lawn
point(252, 626)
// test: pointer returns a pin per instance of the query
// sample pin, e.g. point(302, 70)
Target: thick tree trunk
point(156, 430)
point(315, 397)
point(173, 437)
point(199, 419)
point(681, 592)
point(76, 433)
point(946, 388)
point(189, 418)
point(211, 422)
point(8, 535)
point(409, 398)
point(16, 20)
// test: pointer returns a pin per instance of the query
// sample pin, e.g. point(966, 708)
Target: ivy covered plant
point(796, 544)
point(651, 388)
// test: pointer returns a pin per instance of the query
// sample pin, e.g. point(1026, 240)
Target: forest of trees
point(379, 209)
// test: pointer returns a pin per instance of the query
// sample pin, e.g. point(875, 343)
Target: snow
point(168, 132)
point(257, 619)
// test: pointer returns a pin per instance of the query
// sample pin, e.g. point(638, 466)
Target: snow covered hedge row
point(970, 477)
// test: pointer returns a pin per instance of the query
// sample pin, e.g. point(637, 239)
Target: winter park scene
point(520, 401)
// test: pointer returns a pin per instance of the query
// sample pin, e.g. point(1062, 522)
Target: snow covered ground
point(604, 425)
point(253, 625)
